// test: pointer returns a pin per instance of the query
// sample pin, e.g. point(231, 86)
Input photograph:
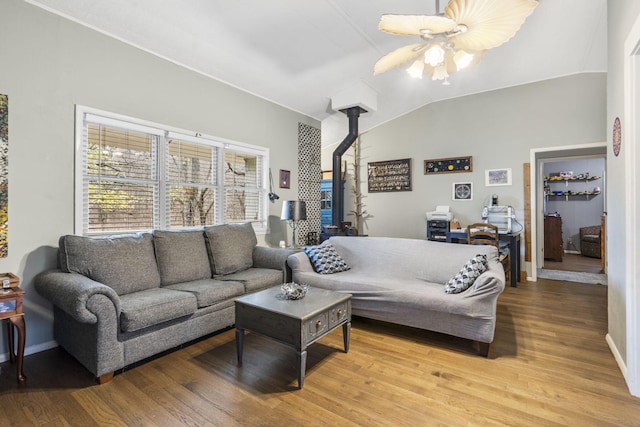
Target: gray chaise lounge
point(402, 281)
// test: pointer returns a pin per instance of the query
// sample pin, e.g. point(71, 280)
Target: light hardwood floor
point(548, 366)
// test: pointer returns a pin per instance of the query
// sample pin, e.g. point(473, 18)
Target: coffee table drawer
point(315, 327)
point(339, 314)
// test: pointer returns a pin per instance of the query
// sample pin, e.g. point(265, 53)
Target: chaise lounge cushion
point(255, 279)
point(230, 247)
point(152, 306)
point(125, 263)
point(210, 291)
point(182, 256)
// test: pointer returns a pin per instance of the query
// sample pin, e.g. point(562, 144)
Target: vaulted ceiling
point(301, 53)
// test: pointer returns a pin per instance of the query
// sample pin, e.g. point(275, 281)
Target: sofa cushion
point(467, 275)
point(209, 291)
point(181, 256)
point(152, 306)
point(125, 263)
point(325, 259)
point(255, 279)
point(230, 247)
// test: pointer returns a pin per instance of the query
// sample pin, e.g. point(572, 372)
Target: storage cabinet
point(437, 230)
point(553, 249)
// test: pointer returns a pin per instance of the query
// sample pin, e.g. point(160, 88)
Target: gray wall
point(50, 64)
point(621, 15)
point(497, 128)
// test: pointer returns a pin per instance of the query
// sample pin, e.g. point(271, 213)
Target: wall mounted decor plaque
point(449, 165)
point(617, 136)
point(390, 175)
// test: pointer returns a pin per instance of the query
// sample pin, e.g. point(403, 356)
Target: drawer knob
point(318, 324)
point(340, 312)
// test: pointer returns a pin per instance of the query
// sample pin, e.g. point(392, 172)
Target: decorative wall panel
point(309, 176)
point(4, 175)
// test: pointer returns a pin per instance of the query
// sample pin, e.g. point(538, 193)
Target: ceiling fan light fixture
point(462, 59)
point(440, 73)
point(434, 55)
point(416, 69)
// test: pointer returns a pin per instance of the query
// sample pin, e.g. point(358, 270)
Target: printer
point(441, 213)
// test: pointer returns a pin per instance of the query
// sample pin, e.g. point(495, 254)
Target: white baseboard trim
point(32, 349)
point(616, 355)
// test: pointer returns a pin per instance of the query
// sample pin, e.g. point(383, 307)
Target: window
point(133, 176)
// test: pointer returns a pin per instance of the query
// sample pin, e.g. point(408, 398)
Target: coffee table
point(295, 323)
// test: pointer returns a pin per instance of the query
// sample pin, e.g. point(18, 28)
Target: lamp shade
point(294, 210)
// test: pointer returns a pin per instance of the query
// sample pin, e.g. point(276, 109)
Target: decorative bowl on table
point(294, 290)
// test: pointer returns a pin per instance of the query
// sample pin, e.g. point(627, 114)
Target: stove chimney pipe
point(337, 191)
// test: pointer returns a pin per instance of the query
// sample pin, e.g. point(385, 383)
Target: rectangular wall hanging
point(4, 175)
point(390, 175)
point(493, 177)
point(462, 191)
point(449, 165)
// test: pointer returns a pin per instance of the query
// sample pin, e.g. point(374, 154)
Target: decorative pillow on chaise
point(464, 278)
point(325, 259)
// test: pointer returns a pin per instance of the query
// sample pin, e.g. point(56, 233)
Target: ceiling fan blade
point(489, 23)
point(398, 57)
point(412, 25)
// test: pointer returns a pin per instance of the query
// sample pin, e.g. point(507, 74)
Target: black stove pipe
point(338, 198)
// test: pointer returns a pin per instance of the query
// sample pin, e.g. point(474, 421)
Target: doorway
point(567, 198)
point(573, 205)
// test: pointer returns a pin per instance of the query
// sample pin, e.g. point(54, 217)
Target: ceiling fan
point(454, 39)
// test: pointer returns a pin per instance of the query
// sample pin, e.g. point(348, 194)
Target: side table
point(11, 310)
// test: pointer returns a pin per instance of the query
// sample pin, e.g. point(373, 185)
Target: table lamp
point(293, 211)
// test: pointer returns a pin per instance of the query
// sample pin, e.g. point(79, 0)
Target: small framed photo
point(462, 191)
point(494, 177)
point(285, 179)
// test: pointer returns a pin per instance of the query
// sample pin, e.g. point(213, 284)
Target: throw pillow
point(325, 259)
point(464, 278)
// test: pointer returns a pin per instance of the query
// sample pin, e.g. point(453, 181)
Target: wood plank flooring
point(548, 366)
point(575, 262)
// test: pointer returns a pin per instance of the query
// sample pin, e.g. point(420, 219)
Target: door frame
point(632, 249)
point(537, 157)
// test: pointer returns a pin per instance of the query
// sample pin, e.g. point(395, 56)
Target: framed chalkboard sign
point(390, 175)
point(450, 165)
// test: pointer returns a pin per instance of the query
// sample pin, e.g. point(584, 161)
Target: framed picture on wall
point(493, 177)
point(462, 191)
point(285, 178)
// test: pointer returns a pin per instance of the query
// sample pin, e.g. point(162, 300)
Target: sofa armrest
point(491, 281)
point(274, 258)
point(299, 263)
point(72, 292)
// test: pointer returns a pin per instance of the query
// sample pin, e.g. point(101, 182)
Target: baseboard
point(32, 349)
point(567, 251)
point(616, 355)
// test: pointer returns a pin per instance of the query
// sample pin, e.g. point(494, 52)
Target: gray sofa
point(402, 281)
point(121, 299)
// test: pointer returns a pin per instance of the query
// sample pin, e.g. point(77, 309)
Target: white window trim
point(165, 133)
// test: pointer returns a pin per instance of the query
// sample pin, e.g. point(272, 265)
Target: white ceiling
point(299, 53)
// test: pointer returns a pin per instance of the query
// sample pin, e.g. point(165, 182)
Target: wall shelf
point(569, 194)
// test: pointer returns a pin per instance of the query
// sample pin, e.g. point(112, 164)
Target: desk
point(11, 310)
point(514, 246)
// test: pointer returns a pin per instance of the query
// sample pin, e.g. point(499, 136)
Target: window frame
point(85, 115)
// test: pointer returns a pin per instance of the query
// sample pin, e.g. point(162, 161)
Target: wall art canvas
point(497, 177)
point(4, 175)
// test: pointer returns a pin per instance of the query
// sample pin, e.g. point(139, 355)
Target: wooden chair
point(482, 233)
